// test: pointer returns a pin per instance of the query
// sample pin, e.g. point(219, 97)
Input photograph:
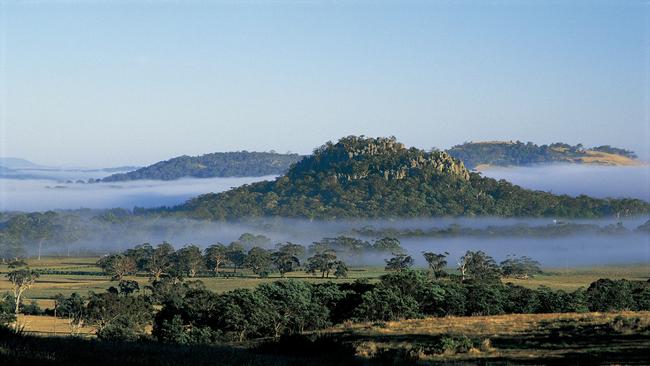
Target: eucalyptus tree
point(437, 263)
point(21, 281)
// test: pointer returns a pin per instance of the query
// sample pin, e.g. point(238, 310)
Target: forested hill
point(226, 164)
point(509, 153)
point(361, 177)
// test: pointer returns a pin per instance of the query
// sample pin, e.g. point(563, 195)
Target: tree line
point(185, 312)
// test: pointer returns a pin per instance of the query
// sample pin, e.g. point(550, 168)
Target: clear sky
point(104, 83)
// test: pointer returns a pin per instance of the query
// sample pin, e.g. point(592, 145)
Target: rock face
point(354, 158)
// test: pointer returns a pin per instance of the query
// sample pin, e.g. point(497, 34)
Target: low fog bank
point(564, 251)
point(40, 195)
point(592, 180)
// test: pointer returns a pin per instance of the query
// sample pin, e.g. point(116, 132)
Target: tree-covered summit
point(220, 164)
point(357, 157)
point(359, 177)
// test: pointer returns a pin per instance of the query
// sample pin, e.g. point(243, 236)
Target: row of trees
point(190, 261)
point(475, 265)
point(190, 314)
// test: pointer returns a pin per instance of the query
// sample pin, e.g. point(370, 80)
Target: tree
point(119, 316)
point(21, 281)
point(399, 262)
point(436, 262)
point(292, 307)
point(610, 295)
point(322, 262)
point(287, 257)
point(189, 260)
point(340, 269)
point(388, 244)
point(478, 266)
point(141, 255)
point(117, 266)
point(242, 314)
point(72, 308)
point(7, 311)
point(520, 267)
point(249, 240)
point(160, 263)
point(258, 260)
point(215, 256)
point(236, 255)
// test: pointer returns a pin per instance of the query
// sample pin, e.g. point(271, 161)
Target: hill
point(227, 164)
point(17, 163)
point(509, 153)
point(360, 177)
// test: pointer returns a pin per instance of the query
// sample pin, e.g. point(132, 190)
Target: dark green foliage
point(454, 300)
point(215, 256)
point(259, 261)
point(118, 265)
point(242, 314)
point(287, 257)
point(324, 262)
point(365, 177)
point(478, 266)
point(385, 303)
point(399, 262)
point(388, 245)
point(72, 307)
point(190, 260)
point(558, 301)
point(7, 309)
point(437, 263)
point(228, 164)
point(520, 267)
point(610, 295)
point(520, 300)
point(293, 307)
point(119, 316)
point(485, 299)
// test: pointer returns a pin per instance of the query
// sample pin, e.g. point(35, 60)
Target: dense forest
point(360, 177)
point(226, 164)
point(503, 153)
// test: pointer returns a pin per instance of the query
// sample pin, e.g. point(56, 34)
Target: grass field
point(535, 338)
point(48, 285)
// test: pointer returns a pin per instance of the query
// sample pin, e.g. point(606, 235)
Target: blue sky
point(99, 83)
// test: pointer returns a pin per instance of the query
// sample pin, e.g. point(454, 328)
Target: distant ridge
point(221, 164)
point(17, 163)
point(359, 177)
point(516, 153)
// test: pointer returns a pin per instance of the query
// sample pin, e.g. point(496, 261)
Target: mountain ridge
point(359, 177)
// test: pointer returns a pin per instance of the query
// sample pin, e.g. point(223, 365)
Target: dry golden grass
point(539, 338)
point(603, 158)
point(48, 325)
point(484, 325)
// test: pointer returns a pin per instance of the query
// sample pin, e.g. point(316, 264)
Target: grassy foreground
point(587, 338)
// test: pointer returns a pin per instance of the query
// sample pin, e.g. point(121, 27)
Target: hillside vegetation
point(509, 153)
point(226, 164)
point(360, 177)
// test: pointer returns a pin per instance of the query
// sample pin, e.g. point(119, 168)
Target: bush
point(610, 295)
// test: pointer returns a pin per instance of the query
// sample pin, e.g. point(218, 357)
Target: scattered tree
point(21, 281)
point(399, 262)
point(437, 263)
